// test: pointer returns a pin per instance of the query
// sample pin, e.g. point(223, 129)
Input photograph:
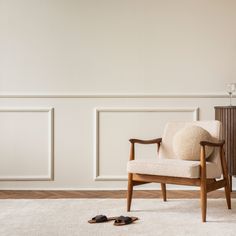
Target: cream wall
point(79, 78)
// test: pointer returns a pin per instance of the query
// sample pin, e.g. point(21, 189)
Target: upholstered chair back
point(166, 148)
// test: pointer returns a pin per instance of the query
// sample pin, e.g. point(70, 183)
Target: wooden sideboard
point(227, 115)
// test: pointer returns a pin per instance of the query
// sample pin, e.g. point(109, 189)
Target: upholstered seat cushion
point(172, 167)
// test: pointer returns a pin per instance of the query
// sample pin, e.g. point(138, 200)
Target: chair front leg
point(130, 178)
point(130, 191)
point(203, 201)
point(203, 192)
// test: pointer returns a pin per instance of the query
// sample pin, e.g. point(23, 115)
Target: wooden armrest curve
point(151, 141)
point(220, 143)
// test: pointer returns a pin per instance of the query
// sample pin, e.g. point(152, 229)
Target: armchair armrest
point(220, 143)
point(152, 141)
point(203, 144)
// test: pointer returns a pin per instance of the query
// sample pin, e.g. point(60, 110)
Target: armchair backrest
point(166, 148)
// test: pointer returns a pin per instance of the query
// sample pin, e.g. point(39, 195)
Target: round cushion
point(186, 143)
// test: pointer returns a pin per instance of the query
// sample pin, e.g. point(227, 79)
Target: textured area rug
point(68, 217)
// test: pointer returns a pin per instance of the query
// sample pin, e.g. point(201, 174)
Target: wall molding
point(112, 95)
point(97, 176)
point(50, 175)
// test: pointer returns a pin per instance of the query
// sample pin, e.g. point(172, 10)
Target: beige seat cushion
point(172, 167)
point(186, 143)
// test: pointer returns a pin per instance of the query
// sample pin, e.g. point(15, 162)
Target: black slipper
point(101, 219)
point(124, 220)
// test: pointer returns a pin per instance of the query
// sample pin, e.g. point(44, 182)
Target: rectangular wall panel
point(115, 126)
point(26, 150)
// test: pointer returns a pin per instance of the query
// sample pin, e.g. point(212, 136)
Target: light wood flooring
point(26, 194)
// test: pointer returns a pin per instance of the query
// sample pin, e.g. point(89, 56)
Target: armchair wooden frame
point(206, 185)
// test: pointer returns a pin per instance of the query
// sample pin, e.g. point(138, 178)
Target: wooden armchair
point(166, 169)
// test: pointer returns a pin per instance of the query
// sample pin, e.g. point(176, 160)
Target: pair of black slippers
point(118, 221)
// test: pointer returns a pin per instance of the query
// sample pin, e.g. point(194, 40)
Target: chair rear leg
point(227, 192)
point(226, 178)
point(130, 191)
point(163, 189)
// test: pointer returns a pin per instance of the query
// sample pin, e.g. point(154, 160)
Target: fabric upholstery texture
point(186, 143)
point(171, 128)
point(172, 167)
point(167, 163)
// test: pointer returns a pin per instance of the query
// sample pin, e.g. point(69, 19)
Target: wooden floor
point(9, 194)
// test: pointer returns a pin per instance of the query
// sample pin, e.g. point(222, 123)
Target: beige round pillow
point(186, 143)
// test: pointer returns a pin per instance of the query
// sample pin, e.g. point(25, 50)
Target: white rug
point(68, 217)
